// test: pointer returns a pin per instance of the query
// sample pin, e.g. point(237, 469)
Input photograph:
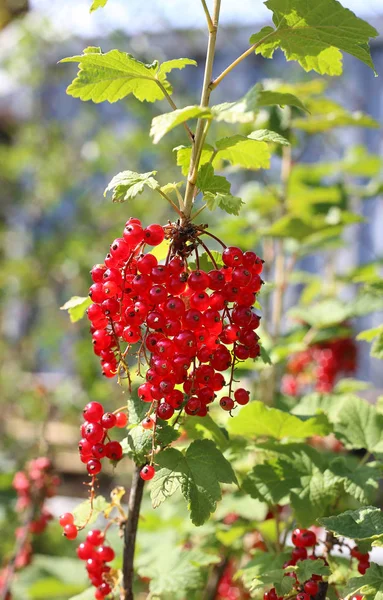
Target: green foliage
point(326, 114)
point(164, 123)
point(314, 34)
point(87, 512)
point(128, 184)
point(114, 75)
point(365, 524)
point(305, 569)
point(76, 307)
point(370, 584)
point(245, 109)
point(197, 473)
point(258, 420)
point(266, 569)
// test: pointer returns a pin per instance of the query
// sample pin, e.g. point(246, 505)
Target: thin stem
point(130, 532)
point(175, 207)
point(201, 132)
point(208, 16)
point(212, 236)
point(209, 254)
point(174, 107)
point(238, 60)
point(197, 212)
point(11, 566)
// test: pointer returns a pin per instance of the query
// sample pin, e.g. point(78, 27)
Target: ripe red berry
point(85, 551)
point(363, 566)
point(95, 537)
point(93, 412)
point(66, 519)
point(114, 451)
point(165, 411)
point(303, 538)
point(226, 403)
point(154, 235)
point(302, 596)
point(108, 420)
point(93, 466)
point(147, 423)
point(121, 419)
point(242, 396)
point(298, 554)
point(147, 472)
point(105, 553)
point(311, 587)
point(70, 531)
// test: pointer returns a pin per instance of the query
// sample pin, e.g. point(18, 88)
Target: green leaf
point(314, 34)
point(246, 109)
point(175, 63)
point(377, 347)
point(360, 482)
point(164, 123)
point(128, 184)
point(198, 473)
point(136, 410)
point(290, 226)
point(271, 482)
point(266, 135)
point(49, 588)
point(114, 75)
point(175, 572)
point(256, 420)
point(206, 428)
point(305, 569)
point(208, 182)
point(76, 307)
point(370, 584)
point(227, 202)
point(326, 114)
point(318, 492)
point(264, 569)
point(82, 511)
point(359, 425)
point(98, 4)
point(245, 152)
point(184, 155)
point(362, 524)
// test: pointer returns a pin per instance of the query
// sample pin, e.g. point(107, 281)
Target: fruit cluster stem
point(130, 532)
point(200, 133)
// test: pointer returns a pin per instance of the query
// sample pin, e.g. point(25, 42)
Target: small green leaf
point(227, 202)
point(114, 75)
point(361, 524)
point(206, 428)
point(207, 181)
point(198, 473)
point(82, 512)
point(370, 334)
point(314, 34)
point(76, 307)
point(128, 184)
point(369, 585)
point(265, 135)
point(98, 4)
point(267, 568)
point(256, 420)
point(377, 347)
point(164, 123)
point(305, 569)
point(245, 152)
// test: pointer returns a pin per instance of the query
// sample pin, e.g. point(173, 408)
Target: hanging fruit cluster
point(186, 324)
point(320, 366)
point(33, 486)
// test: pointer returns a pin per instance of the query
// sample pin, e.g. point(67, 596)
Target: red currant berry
point(66, 519)
point(363, 566)
point(70, 531)
point(311, 587)
point(93, 466)
point(147, 423)
point(93, 412)
point(121, 419)
point(95, 537)
point(114, 451)
point(108, 420)
point(303, 538)
point(105, 553)
point(85, 551)
point(154, 235)
point(165, 411)
point(241, 396)
point(226, 403)
point(147, 472)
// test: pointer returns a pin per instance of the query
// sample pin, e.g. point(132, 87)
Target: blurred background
point(57, 155)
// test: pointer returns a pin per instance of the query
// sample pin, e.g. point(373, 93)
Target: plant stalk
point(130, 532)
point(200, 133)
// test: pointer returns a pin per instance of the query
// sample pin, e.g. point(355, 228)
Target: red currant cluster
point(302, 539)
point(320, 365)
point(188, 325)
point(96, 554)
point(95, 443)
point(33, 486)
point(363, 559)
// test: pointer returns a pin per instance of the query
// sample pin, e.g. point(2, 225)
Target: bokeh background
point(57, 155)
